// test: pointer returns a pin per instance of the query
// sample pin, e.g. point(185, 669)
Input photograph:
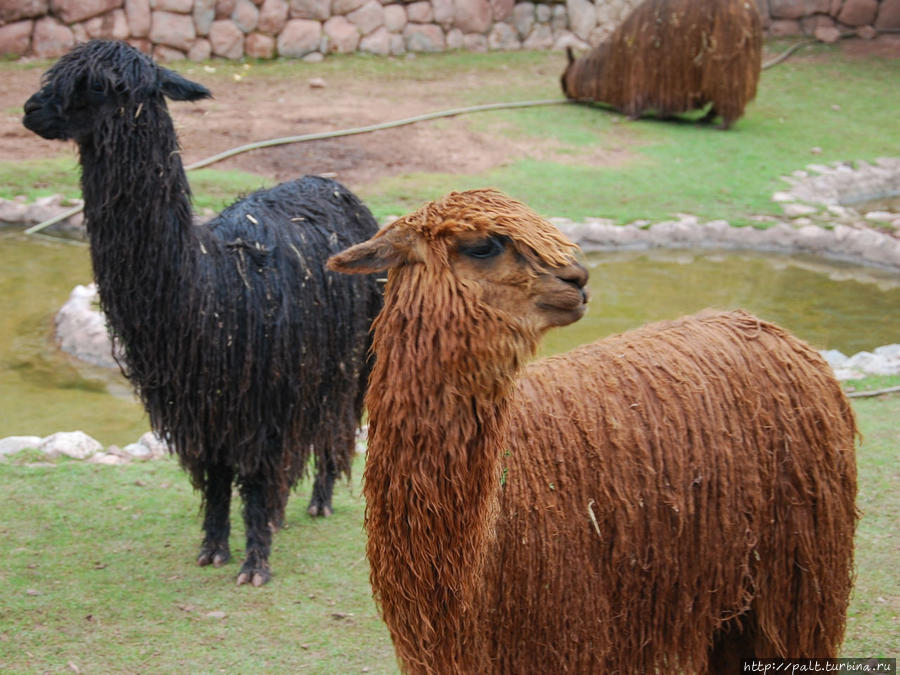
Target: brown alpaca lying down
point(674, 56)
point(666, 500)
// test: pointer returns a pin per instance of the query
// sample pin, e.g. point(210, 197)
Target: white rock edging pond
point(842, 242)
point(78, 445)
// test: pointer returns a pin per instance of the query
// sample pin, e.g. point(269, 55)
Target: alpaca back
point(281, 341)
point(660, 483)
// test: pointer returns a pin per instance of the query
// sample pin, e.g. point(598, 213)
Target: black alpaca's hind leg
point(323, 487)
point(216, 523)
point(259, 519)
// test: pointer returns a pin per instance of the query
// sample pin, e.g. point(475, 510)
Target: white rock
point(848, 374)
point(792, 209)
point(889, 351)
point(839, 211)
point(835, 358)
point(874, 364)
point(13, 444)
point(13, 212)
point(107, 458)
point(81, 328)
point(137, 450)
point(154, 444)
point(880, 216)
point(811, 237)
point(75, 444)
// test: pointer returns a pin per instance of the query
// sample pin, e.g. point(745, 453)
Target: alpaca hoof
point(214, 554)
point(322, 510)
point(257, 577)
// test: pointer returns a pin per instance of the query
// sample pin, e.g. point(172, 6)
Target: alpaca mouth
point(39, 121)
point(562, 312)
point(38, 124)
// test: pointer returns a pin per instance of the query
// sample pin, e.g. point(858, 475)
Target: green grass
point(873, 383)
point(686, 168)
point(213, 189)
point(97, 573)
point(873, 624)
point(40, 178)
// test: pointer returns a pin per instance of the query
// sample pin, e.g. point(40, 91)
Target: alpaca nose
point(31, 105)
point(576, 275)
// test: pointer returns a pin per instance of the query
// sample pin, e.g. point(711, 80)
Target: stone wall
point(309, 29)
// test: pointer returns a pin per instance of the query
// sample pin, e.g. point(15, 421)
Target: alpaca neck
point(137, 211)
point(438, 415)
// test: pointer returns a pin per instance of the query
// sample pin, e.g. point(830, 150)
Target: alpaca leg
point(709, 116)
point(728, 113)
point(216, 523)
point(731, 644)
point(259, 516)
point(323, 486)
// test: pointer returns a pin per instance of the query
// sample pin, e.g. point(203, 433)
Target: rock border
point(78, 445)
point(310, 29)
point(81, 446)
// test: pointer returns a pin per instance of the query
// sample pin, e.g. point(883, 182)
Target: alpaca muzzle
point(37, 119)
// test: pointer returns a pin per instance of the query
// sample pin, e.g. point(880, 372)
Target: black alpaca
point(248, 355)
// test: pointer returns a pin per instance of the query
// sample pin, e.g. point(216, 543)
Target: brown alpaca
point(673, 56)
point(666, 500)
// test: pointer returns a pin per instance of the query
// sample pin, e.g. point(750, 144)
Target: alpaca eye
point(96, 92)
point(487, 248)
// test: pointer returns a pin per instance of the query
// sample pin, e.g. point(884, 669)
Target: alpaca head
point(477, 267)
point(98, 81)
point(570, 61)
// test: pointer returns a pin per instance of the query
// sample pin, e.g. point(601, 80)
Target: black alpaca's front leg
point(323, 486)
point(259, 520)
point(216, 523)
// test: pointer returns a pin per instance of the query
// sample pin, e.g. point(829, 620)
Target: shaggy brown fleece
point(666, 500)
point(669, 484)
point(673, 56)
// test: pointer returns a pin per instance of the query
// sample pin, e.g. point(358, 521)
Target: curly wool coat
point(674, 56)
point(249, 356)
point(666, 500)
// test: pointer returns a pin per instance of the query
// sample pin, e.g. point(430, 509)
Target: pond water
point(831, 305)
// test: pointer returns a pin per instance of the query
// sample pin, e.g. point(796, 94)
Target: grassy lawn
point(824, 102)
point(98, 574)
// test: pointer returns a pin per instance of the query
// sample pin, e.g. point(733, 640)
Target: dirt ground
point(257, 107)
point(261, 107)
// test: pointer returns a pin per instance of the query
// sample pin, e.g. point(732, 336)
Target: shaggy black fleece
point(248, 355)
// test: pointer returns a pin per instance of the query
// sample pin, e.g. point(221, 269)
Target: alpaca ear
point(179, 88)
point(385, 250)
point(571, 55)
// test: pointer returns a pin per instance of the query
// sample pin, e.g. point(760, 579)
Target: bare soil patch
point(260, 106)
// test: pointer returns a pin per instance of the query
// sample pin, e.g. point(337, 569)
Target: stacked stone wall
point(309, 29)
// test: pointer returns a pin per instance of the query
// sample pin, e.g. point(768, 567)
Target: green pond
point(831, 305)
